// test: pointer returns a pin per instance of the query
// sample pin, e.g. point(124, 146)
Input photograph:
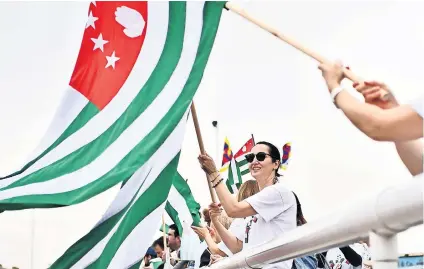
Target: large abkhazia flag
point(139, 66)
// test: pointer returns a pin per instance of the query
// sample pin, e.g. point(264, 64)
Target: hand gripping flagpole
point(201, 145)
point(349, 74)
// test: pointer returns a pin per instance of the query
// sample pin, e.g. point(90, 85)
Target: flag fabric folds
point(122, 119)
point(138, 68)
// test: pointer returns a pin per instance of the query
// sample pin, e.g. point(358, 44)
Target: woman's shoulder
point(285, 194)
point(283, 189)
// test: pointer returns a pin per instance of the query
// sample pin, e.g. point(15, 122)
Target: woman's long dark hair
point(300, 219)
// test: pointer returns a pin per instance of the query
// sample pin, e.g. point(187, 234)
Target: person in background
point(158, 246)
point(148, 257)
point(236, 229)
point(226, 225)
point(206, 216)
point(271, 212)
point(174, 243)
point(381, 120)
point(213, 240)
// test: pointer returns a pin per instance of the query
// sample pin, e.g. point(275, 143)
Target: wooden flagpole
point(164, 232)
point(201, 145)
point(349, 74)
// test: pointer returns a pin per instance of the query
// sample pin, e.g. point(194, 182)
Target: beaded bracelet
point(214, 186)
point(215, 178)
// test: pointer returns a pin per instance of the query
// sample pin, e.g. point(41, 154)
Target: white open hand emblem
point(131, 19)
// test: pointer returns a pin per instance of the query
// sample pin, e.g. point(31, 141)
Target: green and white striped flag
point(235, 179)
point(139, 66)
point(181, 205)
point(239, 167)
point(121, 238)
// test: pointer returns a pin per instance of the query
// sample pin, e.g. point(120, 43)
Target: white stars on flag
point(91, 20)
point(111, 60)
point(99, 42)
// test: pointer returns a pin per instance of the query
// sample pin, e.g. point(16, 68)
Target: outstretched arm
point(411, 154)
point(401, 123)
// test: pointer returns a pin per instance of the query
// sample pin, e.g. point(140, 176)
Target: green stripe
point(155, 84)
point(230, 180)
point(242, 162)
point(140, 153)
point(228, 184)
point(166, 228)
point(173, 214)
point(88, 112)
point(184, 189)
point(244, 172)
point(148, 202)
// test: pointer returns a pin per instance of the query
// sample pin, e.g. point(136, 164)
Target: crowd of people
point(265, 208)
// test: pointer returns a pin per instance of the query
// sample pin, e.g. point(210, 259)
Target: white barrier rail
point(381, 217)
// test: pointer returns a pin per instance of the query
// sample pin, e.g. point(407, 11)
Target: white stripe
point(244, 167)
point(71, 105)
point(154, 42)
point(179, 204)
point(134, 247)
point(235, 190)
point(162, 157)
point(234, 171)
point(138, 130)
point(241, 158)
point(127, 192)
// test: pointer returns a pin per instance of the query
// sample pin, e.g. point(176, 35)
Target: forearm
point(213, 247)
point(401, 123)
point(228, 202)
point(362, 115)
point(411, 154)
point(230, 240)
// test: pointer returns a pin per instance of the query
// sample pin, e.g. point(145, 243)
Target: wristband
point(335, 92)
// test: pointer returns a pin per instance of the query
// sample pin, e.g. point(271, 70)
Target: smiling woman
point(269, 213)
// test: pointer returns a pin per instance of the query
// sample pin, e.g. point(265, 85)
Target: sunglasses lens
point(249, 157)
point(260, 156)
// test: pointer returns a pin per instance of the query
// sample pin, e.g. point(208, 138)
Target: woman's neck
point(263, 183)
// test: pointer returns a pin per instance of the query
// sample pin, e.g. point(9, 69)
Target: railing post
point(384, 251)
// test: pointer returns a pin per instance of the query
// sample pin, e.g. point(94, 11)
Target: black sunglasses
point(260, 156)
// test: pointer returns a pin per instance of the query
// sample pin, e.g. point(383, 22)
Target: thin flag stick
point(349, 74)
point(164, 231)
point(201, 145)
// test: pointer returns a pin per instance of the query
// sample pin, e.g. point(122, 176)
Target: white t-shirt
point(276, 208)
point(236, 228)
point(418, 105)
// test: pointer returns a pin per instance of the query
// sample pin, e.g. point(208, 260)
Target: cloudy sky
point(254, 84)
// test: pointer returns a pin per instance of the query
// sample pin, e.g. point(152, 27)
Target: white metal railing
point(380, 216)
